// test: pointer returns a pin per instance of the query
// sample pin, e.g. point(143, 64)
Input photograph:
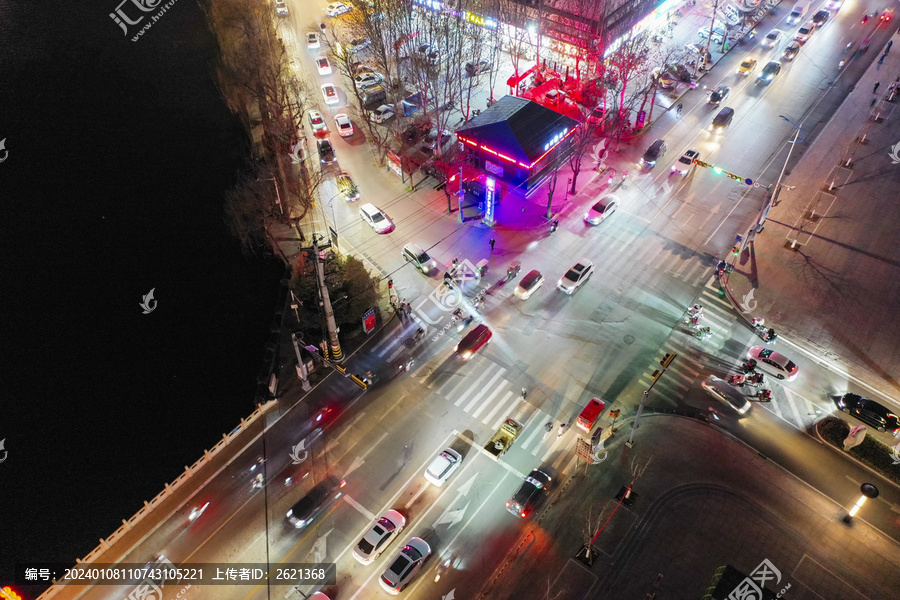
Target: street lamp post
point(771, 198)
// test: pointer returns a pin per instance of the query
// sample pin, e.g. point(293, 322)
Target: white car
point(773, 363)
point(601, 210)
point(323, 65)
point(529, 285)
point(772, 38)
point(576, 276)
point(344, 126)
point(337, 8)
point(443, 466)
point(329, 92)
point(685, 163)
point(403, 568)
point(312, 40)
point(382, 113)
point(376, 219)
point(364, 80)
point(316, 121)
point(379, 536)
point(281, 8)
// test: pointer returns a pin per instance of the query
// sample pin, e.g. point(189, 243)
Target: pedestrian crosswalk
point(697, 359)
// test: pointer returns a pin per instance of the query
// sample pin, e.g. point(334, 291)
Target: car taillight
point(508, 504)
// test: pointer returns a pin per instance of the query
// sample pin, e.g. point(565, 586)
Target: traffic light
point(390, 284)
point(614, 413)
point(736, 250)
point(717, 170)
point(667, 359)
point(441, 186)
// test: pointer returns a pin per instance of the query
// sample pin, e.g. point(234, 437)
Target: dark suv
point(321, 496)
point(869, 412)
point(533, 488)
point(326, 152)
point(655, 152)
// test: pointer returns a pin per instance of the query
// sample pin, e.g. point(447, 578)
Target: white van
point(797, 13)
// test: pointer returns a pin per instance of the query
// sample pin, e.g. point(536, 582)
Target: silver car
point(727, 393)
point(379, 536)
point(576, 276)
point(443, 466)
point(408, 562)
point(601, 210)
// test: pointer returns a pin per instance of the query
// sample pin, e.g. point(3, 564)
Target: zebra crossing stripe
point(490, 386)
point(497, 408)
point(474, 386)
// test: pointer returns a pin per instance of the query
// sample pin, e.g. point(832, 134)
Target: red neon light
point(512, 160)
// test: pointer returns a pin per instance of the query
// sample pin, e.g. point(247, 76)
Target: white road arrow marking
point(465, 488)
point(319, 548)
point(357, 463)
point(452, 516)
point(450, 595)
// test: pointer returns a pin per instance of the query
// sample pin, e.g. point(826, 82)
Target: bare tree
point(257, 82)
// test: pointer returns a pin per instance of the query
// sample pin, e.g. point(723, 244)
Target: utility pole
point(771, 199)
point(336, 353)
point(665, 362)
point(712, 26)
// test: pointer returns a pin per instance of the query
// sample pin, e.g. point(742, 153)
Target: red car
point(473, 342)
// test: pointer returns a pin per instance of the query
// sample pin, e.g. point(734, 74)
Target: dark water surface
point(119, 155)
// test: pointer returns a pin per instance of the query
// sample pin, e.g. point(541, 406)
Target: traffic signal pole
point(665, 362)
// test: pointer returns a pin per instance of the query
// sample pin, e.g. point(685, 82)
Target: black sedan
point(869, 412)
point(821, 17)
point(719, 94)
point(533, 488)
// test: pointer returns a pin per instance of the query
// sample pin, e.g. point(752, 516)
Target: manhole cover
point(628, 339)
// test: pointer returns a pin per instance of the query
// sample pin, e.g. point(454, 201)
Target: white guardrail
point(127, 526)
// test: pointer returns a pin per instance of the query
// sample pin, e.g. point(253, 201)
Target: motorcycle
point(465, 323)
point(703, 333)
point(738, 379)
point(554, 226)
point(755, 379)
point(442, 568)
point(764, 395)
point(748, 367)
point(767, 335)
point(721, 268)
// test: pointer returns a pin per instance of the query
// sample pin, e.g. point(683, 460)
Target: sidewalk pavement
point(703, 500)
point(822, 273)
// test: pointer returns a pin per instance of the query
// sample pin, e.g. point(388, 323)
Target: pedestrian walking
point(678, 110)
point(562, 429)
point(881, 60)
point(524, 393)
point(888, 47)
point(492, 242)
point(875, 89)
